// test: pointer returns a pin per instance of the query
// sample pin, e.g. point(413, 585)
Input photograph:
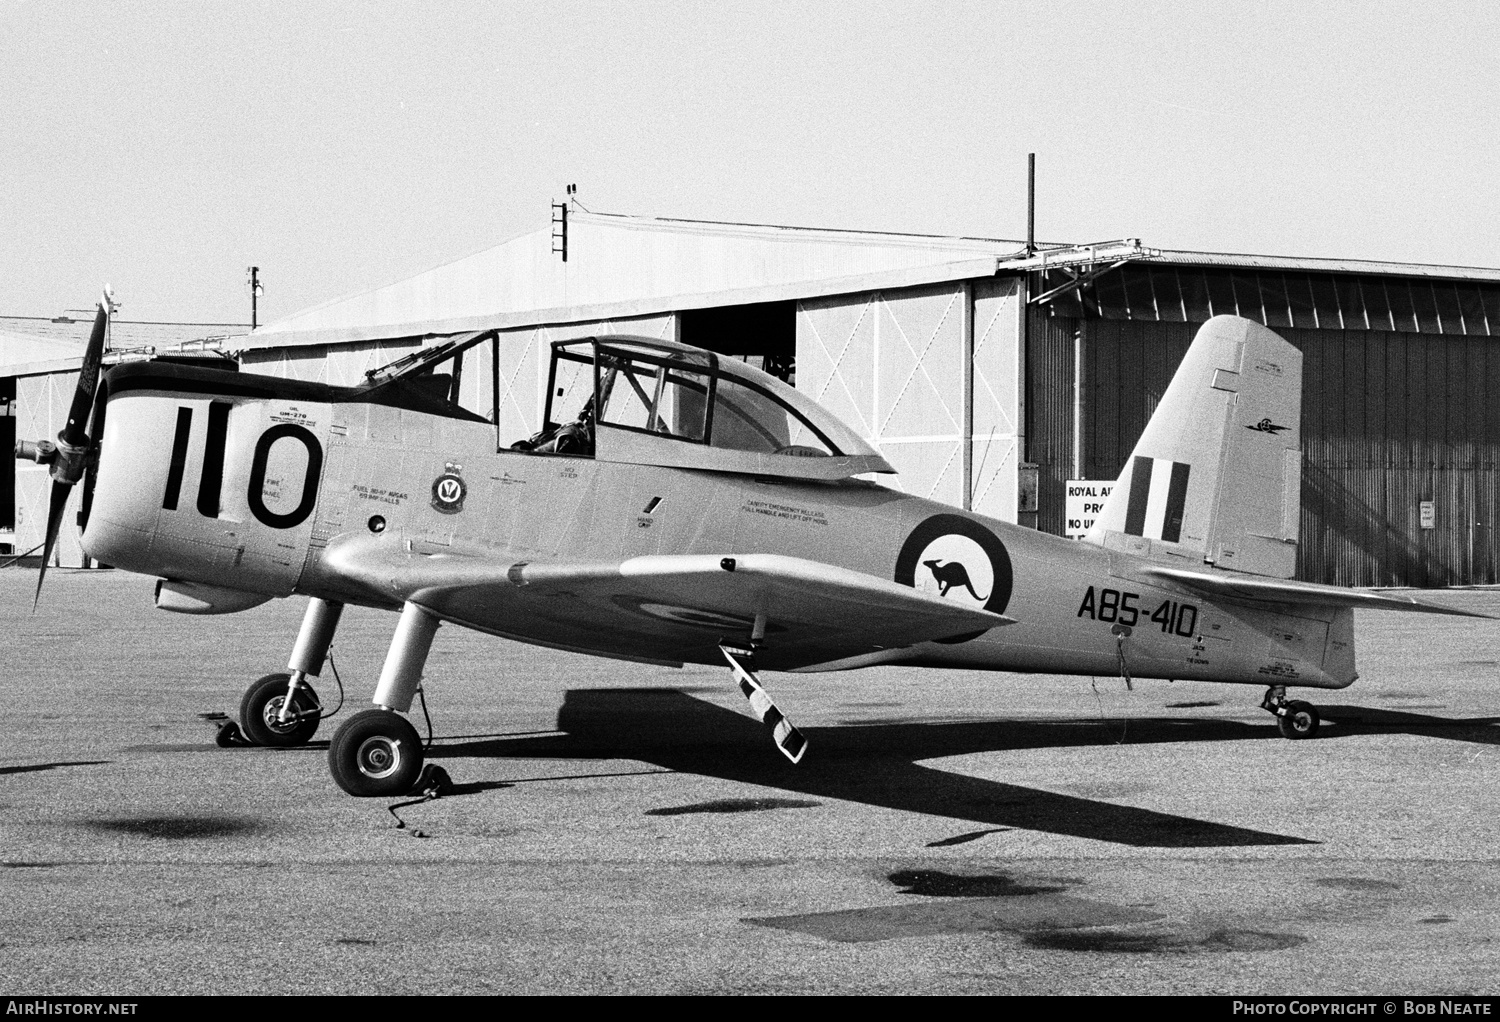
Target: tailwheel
point(1300, 720)
point(261, 712)
point(1294, 718)
point(376, 754)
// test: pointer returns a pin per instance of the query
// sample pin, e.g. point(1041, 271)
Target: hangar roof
point(18, 349)
point(1317, 265)
point(1054, 256)
point(623, 266)
point(34, 344)
point(1292, 293)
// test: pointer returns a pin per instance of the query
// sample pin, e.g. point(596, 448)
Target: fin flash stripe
point(1158, 498)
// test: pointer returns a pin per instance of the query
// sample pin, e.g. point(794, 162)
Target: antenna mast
point(255, 290)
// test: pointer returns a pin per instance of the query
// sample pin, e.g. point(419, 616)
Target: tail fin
point(1217, 474)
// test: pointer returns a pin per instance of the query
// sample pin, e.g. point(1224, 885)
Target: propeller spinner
point(68, 457)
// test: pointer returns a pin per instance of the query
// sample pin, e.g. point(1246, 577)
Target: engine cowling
point(206, 484)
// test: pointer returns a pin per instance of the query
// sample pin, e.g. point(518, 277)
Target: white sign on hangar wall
point(1085, 499)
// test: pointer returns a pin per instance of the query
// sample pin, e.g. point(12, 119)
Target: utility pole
point(1026, 470)
point(255, 290)
point(1031, 203)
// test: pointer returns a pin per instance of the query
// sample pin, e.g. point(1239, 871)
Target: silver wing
point(661, 608)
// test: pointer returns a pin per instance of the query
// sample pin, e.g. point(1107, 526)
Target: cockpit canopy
point(651, 402)
point(654, 402)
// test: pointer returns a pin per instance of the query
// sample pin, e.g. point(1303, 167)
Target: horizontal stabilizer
point(1249, 589)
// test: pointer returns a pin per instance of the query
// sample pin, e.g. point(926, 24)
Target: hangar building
point(986, 374)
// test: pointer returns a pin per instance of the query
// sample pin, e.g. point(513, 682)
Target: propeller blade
point(91, 459)
point(59, 501)
point(88, 377)
point(71, 457)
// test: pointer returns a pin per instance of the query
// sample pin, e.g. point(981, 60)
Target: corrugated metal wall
point(1049, 413)
point(1389, 420)
point(1126, 369)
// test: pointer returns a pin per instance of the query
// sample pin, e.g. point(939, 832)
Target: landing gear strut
point(282, 710)
point(377, 753)
point(789, 741)
point(1295, 718)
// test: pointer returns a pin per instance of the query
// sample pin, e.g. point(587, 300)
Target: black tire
point(262, 705)
point(1300, 721)
point(376, 754)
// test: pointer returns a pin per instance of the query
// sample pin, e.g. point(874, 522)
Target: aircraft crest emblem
point(449, 490)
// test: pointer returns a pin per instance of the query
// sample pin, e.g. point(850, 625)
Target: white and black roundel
point(956, 558)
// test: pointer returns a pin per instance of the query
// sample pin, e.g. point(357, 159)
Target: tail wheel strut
point(1295, 718)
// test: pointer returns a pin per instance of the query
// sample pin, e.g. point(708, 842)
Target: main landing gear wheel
point(376, 754)
point(1300, 720)
point(260, 713)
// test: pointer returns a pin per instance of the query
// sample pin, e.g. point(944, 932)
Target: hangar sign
point(1084, 502)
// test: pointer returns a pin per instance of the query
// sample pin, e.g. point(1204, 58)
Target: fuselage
point(247, 482)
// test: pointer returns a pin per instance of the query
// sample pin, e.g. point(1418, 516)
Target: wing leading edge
point(664, 607)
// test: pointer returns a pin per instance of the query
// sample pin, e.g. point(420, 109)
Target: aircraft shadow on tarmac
point(1356, 720)
point(35, 767)
point(878, 764)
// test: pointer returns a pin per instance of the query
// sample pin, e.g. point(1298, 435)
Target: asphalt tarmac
point(619, 828)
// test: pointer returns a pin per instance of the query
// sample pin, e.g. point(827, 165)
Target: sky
point(340, 146)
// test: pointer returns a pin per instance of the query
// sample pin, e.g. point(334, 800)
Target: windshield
point(432, 378)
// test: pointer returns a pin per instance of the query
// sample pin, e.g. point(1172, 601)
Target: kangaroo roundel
point(958, 559)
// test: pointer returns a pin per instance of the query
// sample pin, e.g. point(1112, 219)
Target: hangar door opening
point(763, 334)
